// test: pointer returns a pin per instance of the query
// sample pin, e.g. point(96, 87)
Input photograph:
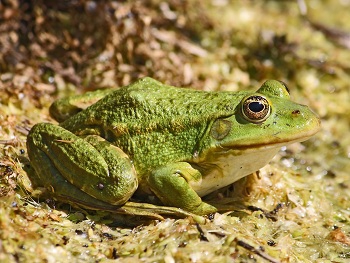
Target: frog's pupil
point(256, 106)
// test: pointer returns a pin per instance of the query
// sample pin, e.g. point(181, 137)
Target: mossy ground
point(296, 210)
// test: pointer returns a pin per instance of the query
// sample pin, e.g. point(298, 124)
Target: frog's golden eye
point(255, 109)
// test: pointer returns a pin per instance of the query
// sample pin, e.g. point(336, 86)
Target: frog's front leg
point(67, 164)
point(172, 185)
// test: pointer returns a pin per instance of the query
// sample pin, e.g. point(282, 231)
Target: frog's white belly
point(232, 165)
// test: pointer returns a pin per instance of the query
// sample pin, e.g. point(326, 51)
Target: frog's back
point(151, 100)
point(150, 118)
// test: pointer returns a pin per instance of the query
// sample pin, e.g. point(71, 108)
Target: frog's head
point(266, 118)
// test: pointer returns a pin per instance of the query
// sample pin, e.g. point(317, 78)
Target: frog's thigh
point(105, 174)
point(50, 178)
point(171, 184)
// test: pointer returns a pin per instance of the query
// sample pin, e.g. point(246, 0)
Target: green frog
point(153, 139)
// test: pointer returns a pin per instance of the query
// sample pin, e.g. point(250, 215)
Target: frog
point(152, 139)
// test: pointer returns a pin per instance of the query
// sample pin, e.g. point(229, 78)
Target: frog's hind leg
point(80, 169)
point(57, 186)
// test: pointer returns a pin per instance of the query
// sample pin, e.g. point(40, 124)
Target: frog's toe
point(204, 209)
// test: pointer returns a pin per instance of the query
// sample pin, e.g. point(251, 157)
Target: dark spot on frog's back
point(100, 186)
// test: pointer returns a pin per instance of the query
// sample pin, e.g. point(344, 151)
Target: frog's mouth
point(275, 140)
point(273, 143)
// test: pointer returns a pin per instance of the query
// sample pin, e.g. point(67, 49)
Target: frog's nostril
point(296, 112)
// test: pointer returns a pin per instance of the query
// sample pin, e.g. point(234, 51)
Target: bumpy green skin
point(176, 143)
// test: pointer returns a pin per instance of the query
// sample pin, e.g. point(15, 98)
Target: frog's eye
point(255, 108)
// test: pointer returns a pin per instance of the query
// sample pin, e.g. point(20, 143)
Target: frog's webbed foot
point(87, 170)
point(171, 183)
